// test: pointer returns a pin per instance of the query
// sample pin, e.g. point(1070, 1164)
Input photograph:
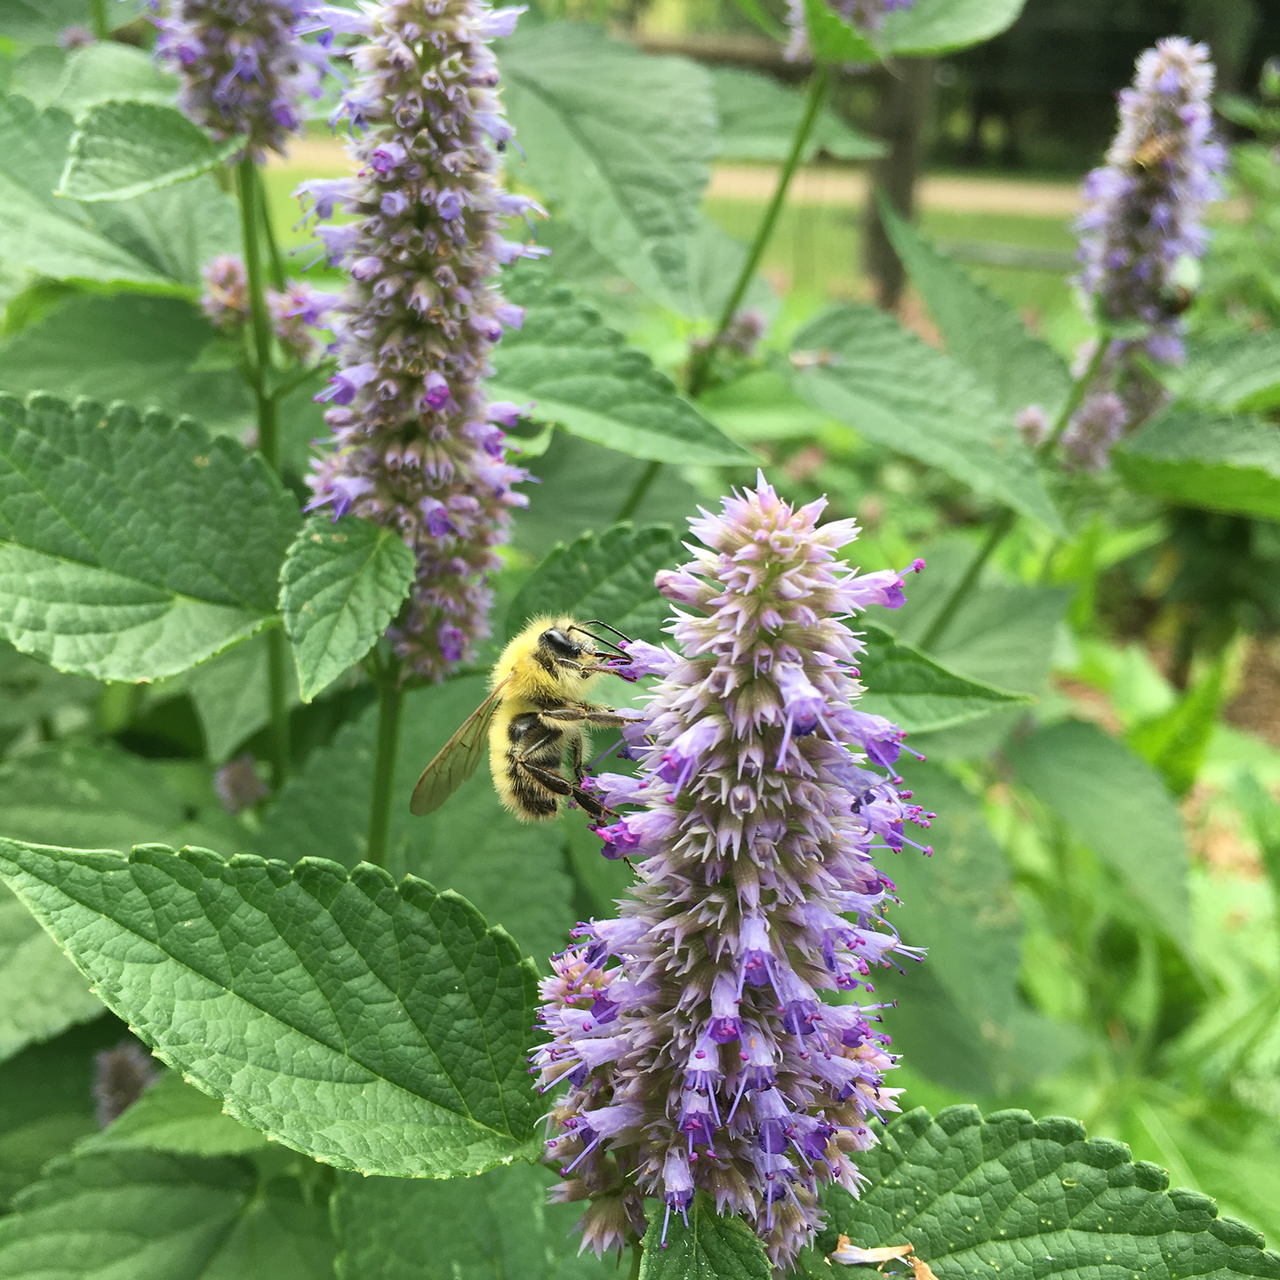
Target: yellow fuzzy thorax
point(529, 683)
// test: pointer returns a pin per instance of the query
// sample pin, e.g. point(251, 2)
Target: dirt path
point(811, 186)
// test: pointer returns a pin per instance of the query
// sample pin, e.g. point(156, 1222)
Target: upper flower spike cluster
point(863, 15)
point(416, 445)
point(244, 66)
point(690, 1032)
point(1143, 224)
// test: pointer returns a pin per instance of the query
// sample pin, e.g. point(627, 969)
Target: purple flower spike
point(243, 65)
point(702, 1006)
point(420, 316)
point(1142, 227)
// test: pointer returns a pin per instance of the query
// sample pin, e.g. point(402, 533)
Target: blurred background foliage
point(1103, 911)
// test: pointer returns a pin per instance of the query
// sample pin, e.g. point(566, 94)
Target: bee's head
point(562, 644)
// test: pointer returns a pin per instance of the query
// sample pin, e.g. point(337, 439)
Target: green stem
point(942, 619)
point(390, 708)
point(700, 366)
point(249, 186)
point(250, 204)
point(101, 23)
point(637, 1255)
point(1005, 521)
point(632, 501)
point(278, 277)
point(278, 701)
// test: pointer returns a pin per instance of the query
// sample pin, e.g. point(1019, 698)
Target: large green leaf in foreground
point(132, 547)
point(1015, 1198)
point(377, 1027)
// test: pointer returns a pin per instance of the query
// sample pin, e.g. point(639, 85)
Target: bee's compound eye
point(558, 642)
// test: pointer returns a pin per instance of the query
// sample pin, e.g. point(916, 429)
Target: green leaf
point(174, 1116)
point(582, 486)
point(583, 376)
point(77, 793)
point(1031, 1198)
point(832, 39)
point(1238, 374)
point(619, 142)
point(1112, 801)
point(860, 366)
point(40, 21)
point(30, 691)
point(711, 1247)
point(919, 694)
point(108, 70)
point(340, 587)
point(981, 330)
point(46, 1100)
point(1208, 460)
point(607, 576)
point(493, 1227)
point(125, 149)
point(937, 26)
point(1176, 742)
point(758, 119)
point(375, 1027)
point(231, 693)
point(133, 547)
point(512, 871)
point(126, 347)
point(959, 1019)
point(144, 1214)
point(158, 241)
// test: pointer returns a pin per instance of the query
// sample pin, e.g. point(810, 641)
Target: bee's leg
point(563, 787)
point(575, 756)
point(588, 713)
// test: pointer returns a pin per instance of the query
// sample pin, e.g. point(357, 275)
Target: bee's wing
point(456, 761)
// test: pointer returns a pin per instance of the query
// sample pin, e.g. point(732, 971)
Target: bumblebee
point(533, 718)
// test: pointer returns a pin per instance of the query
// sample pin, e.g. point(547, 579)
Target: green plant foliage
point(493, 1227)
point(95, 1217)
point(161, 548)
point(616, 141)
point(176, 1117)
point(1032, 1198)
point(125, 149)
point(1238, 374)
point(960, 1020)
point(1208, 460)
point(340, 586)
point(862, 367)
point(583, 376)
point(230, 693)
point(29, 690)
point(919, 694)
point(583, 485)
point(1112, 801)
point(832, 39)
point(709, 1248)
point(125, 347)
point(758, 117)
point(156, 242)
point(39, 21)
point(398, 1019)
point(46, 1101)
point(1177, 742)
point(981, 330)
point(513, 872)
point(936, 26)
point(110, 71)
point(607, 576)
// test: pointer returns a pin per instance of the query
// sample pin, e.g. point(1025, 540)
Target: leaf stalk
point(390, 715)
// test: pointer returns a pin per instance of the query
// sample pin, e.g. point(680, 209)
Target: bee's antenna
point(595, 622)
point(601, 640)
